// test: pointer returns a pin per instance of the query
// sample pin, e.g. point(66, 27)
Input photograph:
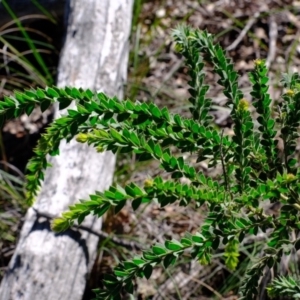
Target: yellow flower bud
point(148, 183)
point(204, 260)
point(258, 62)
point(290, 177)
point(178, 48)
point(232, 254)
point(82, 138)
point(290, 93)
point(100, 149)
point(243, 105)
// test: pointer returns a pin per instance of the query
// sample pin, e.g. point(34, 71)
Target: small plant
point(12, 208)
point(11, 205)
point(253, 169)
point(288, 287)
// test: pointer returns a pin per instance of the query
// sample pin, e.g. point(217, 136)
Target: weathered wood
point(55, 266)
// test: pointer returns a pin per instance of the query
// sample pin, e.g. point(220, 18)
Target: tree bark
point(55, 266)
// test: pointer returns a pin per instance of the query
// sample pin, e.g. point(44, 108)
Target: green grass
point(25, 54)
point(31, 44)
point(12, 207)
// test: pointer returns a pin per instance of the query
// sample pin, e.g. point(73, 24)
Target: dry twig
point(249, 24)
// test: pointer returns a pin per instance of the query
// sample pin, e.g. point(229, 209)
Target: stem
point(223, 164)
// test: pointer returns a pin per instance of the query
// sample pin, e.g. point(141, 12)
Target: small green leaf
point(159, 250)
point(51, 92)
point(72, 113)
point(239, 224)
point(173, 245)
point(166, 113)
point(129, 287)
point(74, 128)
point(120, 273)
point(198, 238)
point(137, 190)
point(45, 105)
point(29, 109)
point(75, 93)
point(148, 271)
point(40, 93)
point(170, 259)
point(157, 151)
point(110, 280)
point(136, 203)
point(102, 210)
point(81, 109)
point(81, 218)
point(116, 135)
point(177, 120)
point(130, 190)
point(119, 206)
point(270, 124)
point(134, 138)
point(149, 256)
point(138, 261)
point(215, 243)
point(60, 224)
point(129, 105)
point(292, 162)
point(155, 111)
point(128, 265)
point(186, 242)
point(64, 102)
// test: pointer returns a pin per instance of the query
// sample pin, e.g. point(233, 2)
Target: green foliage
point(253, 170)
point(284, 286)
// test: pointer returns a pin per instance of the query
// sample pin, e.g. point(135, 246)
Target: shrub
point(253, 169)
